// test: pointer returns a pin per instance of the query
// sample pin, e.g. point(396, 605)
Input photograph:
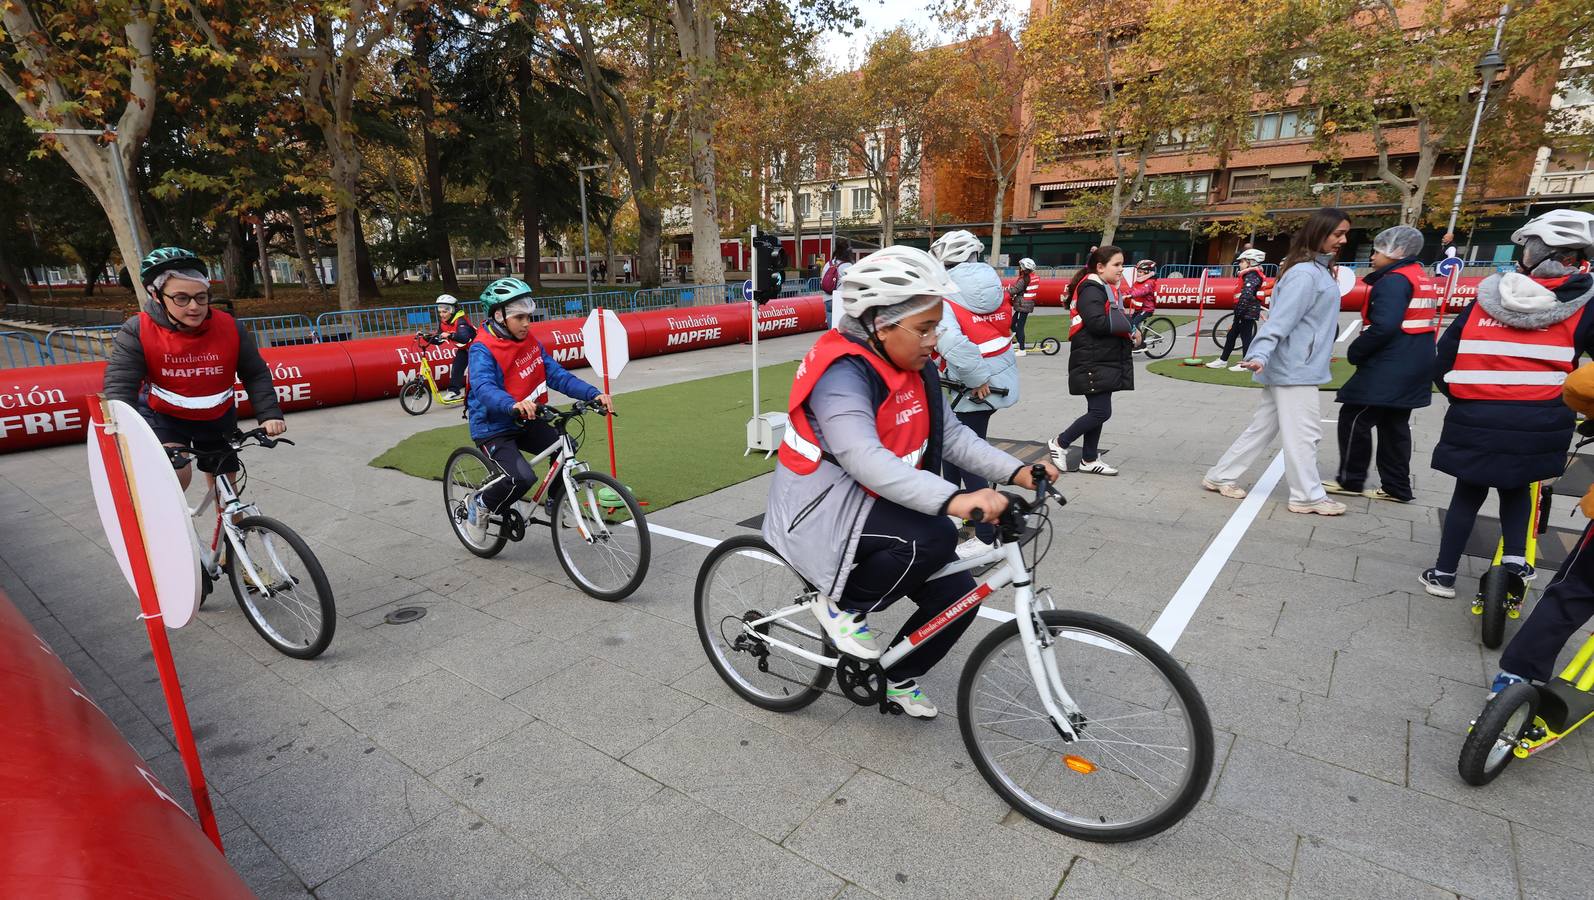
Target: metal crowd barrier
point(73, 345)
point(279, 331)
point(19, 349)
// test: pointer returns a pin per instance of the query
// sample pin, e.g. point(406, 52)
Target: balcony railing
point(1564, 183)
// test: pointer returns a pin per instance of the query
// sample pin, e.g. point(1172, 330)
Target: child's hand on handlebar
point(987, 502)
point(1026, 476)
point(274, 427)
point(605, 401)
point(526, 409)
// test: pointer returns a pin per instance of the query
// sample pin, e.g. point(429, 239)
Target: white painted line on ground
point(1187, 599)
point(1351, 329)
point(985, 611)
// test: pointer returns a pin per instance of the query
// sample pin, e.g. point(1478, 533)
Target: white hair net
point(1399, 242)
point(184, 274)
point(520, 306)
point(886, 316)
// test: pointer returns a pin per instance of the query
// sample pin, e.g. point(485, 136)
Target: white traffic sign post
point(604, 344)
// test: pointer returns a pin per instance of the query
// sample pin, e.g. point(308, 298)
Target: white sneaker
point(1097, 467)
point(907, 695)
point(1020, 352)
point(475, 520)
point(1217, 364)
point(1226, 488)
point(847, 630)
point(1323, 507)
point(449, 395)
point(971, 548)
point(1236, 368)
point(1059, 455)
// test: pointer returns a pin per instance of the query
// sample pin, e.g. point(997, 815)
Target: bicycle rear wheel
point(467, 470)
point(744, 579)
point(1050, 346)
point(1160, 333)
point(1144, 746)
point(416, 397)
point(1220, 329)
point(290, 604)
point(605, 549)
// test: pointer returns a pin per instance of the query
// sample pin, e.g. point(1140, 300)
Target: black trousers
point(979, 423)
point(507, 450)
point(1018, 327)
point(899, 550)
point(456, 371)
point(1243, 330)
point(1098, 409)
point(1567, 604)
point(1356, 425)
point(1515, 505)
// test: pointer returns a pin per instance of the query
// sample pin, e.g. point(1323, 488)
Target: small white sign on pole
point(606, 348)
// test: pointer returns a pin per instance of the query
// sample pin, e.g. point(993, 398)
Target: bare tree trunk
point(366, 280)
point(15, 285)
point(997, 216)
point(345, 227)
point(650, 228)
point(232, 260)
point(265, 257)
point(530, 205)
point(797, 241)
point(309, 264)
point(696, 32)
point(436, 224)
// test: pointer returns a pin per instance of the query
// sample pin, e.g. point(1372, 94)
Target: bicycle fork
point(1061, 709)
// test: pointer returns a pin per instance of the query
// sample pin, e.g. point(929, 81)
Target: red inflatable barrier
point(1218, 293)
point(84, 815)
point(44, 405)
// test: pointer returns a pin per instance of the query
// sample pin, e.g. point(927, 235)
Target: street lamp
point(1488, 67)
point(586, 246)
point(835, 213)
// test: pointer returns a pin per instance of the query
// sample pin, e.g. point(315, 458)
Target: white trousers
point(1292, 414)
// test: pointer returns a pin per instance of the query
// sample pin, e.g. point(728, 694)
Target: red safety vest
point(456, 318)
point(190, 373)
point(1032, 289)
point(1497, 362)
point(902, 420)
point(1076, 323)
point(1422, 311)
point(525, 378)
point(991, 332)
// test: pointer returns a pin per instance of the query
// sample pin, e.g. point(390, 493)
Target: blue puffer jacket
point(492, 410)
point(1503, 443)
point(979, 291)
point(1394, 368)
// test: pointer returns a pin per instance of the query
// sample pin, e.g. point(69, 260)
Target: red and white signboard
point(604, 343)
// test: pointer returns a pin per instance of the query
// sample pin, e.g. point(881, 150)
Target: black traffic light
point(769, 267)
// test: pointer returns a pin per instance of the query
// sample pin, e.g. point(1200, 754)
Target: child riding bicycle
point(510, 375)
point(176, 362)
point(455, 327)
point(856, 505)
point(1141, 299)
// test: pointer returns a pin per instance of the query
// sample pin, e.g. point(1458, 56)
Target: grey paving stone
point(1323, 872)
point(359, 664)
point(267, 876)
point(940, 850)
point(504, 659)
point(1295, 664)
point(258, 728)
point(336, 806)
point(455, 855)
point(555, 610)
point(606, 706)
point(1552, 867)
point(762, 779)
point(169, 770)
point(434, 720)
point(1537, 792)
point(1218, 853)
point(444, 621)
point(473, 588)
point(929, 756)
point(672, 846)
point(705, 684)
point(1088, 880)
point(374, 592)
point(546, 789)
point(646, 644)
point(1456, 848)
point(1377, 682)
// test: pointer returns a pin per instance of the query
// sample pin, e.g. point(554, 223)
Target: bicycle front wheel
point(416, 398)
point(1050, 346)
point(464, 476)
point(1220, 329)
point(1159, 334)
point(287, 599)
point(1143, 748)
point(603, 542)
point(743, 580)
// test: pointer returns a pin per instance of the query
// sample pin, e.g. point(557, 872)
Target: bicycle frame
point(426, 375)
point(229, 507)
point(566, 466)
point(1060, 706)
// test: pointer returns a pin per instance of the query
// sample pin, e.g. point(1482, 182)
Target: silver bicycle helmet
point(956, 247)
point(890, 276)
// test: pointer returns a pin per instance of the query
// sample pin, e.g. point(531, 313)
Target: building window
point(806, 169)
point(838, 161)
point(805, 205)
point(780, 210)
point(1574, 89)
point(1183, 138)
point(1054, 199)
point(1251, 184)
point(1179, 189)
point(862, 200)
point(1247, 185)
point(1283, 126)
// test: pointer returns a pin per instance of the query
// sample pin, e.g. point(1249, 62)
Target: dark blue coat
point(1393, 367)
point(1503, 443)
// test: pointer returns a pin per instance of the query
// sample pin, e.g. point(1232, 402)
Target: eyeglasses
point(181, 300)
point(926, 335)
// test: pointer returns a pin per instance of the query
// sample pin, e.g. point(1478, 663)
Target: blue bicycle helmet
point(503, 291)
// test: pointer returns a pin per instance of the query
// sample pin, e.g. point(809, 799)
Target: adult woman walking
point(1100, 356)
point(1290, 357)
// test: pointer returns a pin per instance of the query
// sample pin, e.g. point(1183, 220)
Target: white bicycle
point(1079, 722)
point(279, 583)
point(599, 532)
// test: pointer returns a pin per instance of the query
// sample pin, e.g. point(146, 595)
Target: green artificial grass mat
point(673, 442)
point(1173, 367)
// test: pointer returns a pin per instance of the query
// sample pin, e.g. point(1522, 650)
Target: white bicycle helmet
point(1254, 255)
point(1567, 229)
point(956, 247)
point(448, 300)
point(890, 276)
point(1027, 264)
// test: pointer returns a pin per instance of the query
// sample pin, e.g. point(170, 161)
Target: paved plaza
point(525, 740)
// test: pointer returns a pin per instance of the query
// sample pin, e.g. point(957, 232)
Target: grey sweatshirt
point(1296, 342)
point(125, 373)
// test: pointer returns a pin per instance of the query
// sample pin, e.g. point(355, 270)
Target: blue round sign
point(1446, 266)
point(747, 289)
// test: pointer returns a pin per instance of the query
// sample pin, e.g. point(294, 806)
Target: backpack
point(831, 277)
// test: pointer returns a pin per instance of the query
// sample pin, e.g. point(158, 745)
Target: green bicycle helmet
point(502, 292)
point(165, 259)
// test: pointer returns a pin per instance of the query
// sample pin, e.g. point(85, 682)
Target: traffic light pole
point(752, 310)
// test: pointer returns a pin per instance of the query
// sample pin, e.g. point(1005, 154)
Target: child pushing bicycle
point(510, 376)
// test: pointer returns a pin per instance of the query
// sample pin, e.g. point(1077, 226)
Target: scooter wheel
point(1493, 592)
point(1491, 744)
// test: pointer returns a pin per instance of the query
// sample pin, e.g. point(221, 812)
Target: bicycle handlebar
point(237, 441)
point(551, 415)
point(1011, 519)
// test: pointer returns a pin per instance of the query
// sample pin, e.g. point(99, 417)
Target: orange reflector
point(1079, 764)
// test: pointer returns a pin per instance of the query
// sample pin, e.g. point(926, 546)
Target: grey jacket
point(1296, 342)
point(124, 374)
point(979, 291)
point(814, 521)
